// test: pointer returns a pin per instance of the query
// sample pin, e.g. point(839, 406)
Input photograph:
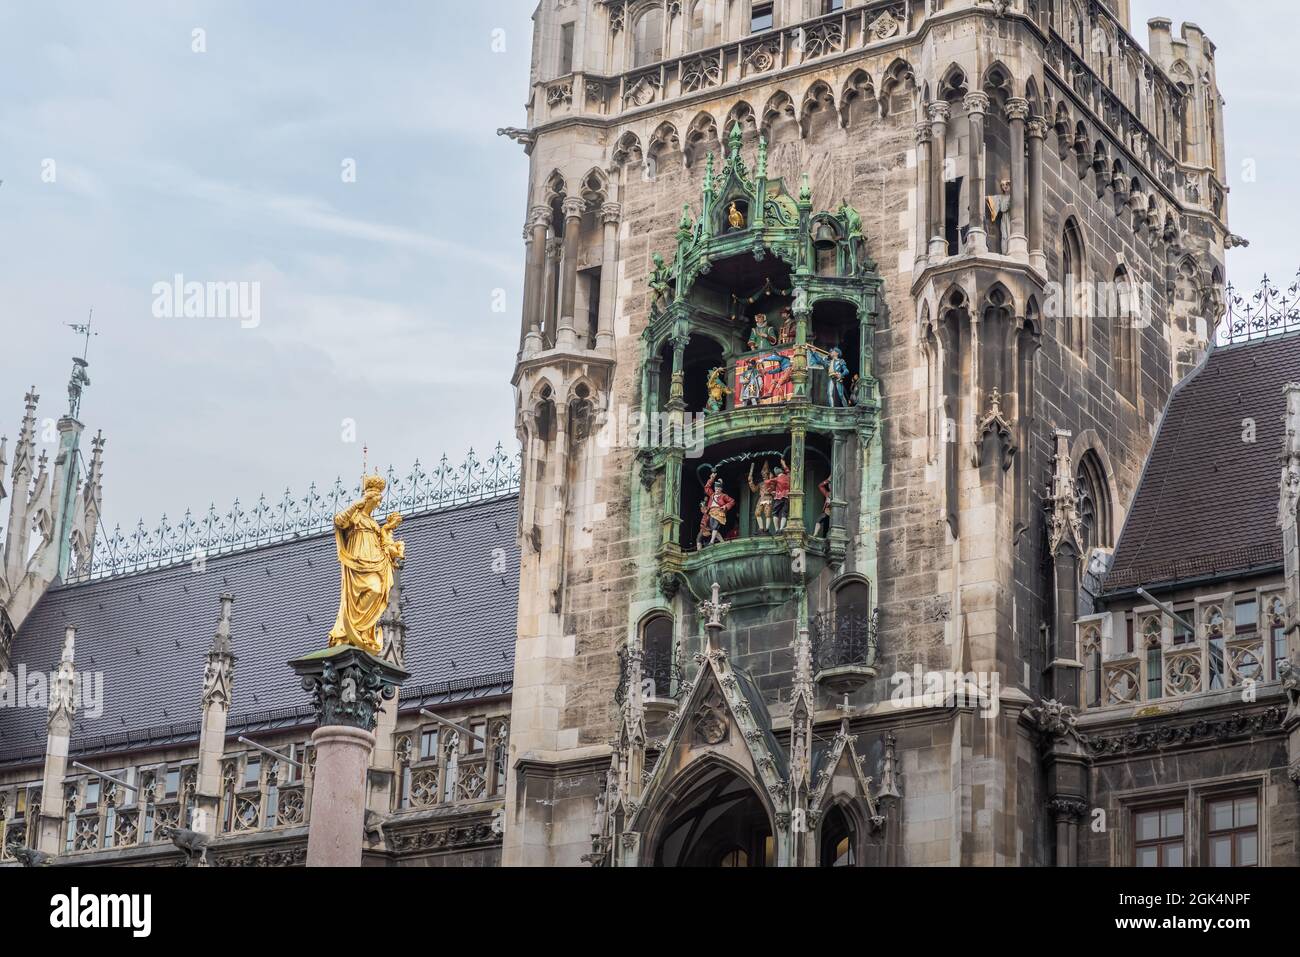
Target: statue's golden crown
point(372, 482)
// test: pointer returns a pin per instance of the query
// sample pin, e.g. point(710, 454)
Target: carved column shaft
point(539, 222)
point(923, 175)
point(938, 159)
point(572, 209)
point(1017, 113)
point(610, 215)
point(976, 106)
point(1036, 130)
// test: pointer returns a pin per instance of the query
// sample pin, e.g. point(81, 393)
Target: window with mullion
point(1159, 836)
point(1232, 831)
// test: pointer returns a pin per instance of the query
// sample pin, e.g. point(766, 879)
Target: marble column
point(611, 214)
point(938, 158)
point(550, 295)
point(977, 105)
point(348, 689)
point(539, 224)
point(1017, 113)
point(1036, 129)
point(923, 136)
point(566, 335)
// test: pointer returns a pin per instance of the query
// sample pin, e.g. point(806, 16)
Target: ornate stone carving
point(348, 685)
point(994, 423)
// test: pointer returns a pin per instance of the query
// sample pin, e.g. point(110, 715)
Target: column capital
point(573, 207)
point(348, 685)
point(939, 112)
point(539, 216)
point(554, 246)
point(611, 213)
point(923, 133)
point(976, 103)
point(1017, 108)
point(1036, 128)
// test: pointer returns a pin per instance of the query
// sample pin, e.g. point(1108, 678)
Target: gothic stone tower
point(986, 237)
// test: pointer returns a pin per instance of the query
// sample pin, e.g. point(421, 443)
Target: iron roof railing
point(197, 538)
point(1269, 310)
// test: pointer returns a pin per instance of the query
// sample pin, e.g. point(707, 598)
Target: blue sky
point(376, 295)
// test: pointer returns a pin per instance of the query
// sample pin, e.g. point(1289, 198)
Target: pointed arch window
point(648, 37)
point(1094, 503)
point(1074, 278)
point(837, 840)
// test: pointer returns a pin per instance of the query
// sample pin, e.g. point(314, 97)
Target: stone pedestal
point(348, 686)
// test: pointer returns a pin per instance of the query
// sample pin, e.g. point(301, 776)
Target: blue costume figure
point(837, 370)
point(751, 384)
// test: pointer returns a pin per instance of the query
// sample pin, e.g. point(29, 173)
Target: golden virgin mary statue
point(367, 553)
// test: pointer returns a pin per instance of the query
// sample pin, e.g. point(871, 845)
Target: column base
point(938, 248)
point(976, 241)
point(1019, 246)
point(1038, 260)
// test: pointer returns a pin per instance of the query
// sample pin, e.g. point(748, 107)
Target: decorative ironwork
point(1269, 310)
point(196, 538)
point(844, 640)
point(661, 675)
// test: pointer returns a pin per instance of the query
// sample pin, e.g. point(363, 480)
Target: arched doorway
point(838, 840)
point(721, 822)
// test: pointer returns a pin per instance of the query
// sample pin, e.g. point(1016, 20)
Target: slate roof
point(1206, 505)
point(148, 632)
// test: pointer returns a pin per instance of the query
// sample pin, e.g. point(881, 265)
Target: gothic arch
point(777, 113)
point(700, 135)
point(743, 114)
point(595, 187)
point(1088, 456)
point(555, 188)
point(999, 82)
point(680, 791)
point(953, 86)
point(627, 151)
point(899, 79)
point(818, 103)
point(857, 95)
point(664, 142)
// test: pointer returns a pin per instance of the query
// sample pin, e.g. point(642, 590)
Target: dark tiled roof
point(148, 633)
point(1207, 502)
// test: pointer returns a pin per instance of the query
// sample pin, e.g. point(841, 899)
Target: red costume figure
point(717, 504)
point(781, 494)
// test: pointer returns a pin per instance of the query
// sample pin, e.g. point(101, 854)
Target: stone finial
point(1062, 502)
point(219, 671)
point(63, 687)
point(889, 772)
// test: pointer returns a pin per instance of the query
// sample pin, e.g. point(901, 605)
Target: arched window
point(1094, 503)
point(837, 841)
point(853, 598)
point(1091, 645)
point(698, 37)
point(648, 37)
point(657, 659)
point(1074, 279)
point(1126, 335)
point(1151, 630)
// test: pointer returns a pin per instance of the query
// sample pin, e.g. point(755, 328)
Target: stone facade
point(993, 359)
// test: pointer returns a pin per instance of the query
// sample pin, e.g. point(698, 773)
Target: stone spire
point(218, 687)
point(92, 497)
point(20, 505)
point(1065, 547)
point(62, 709)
